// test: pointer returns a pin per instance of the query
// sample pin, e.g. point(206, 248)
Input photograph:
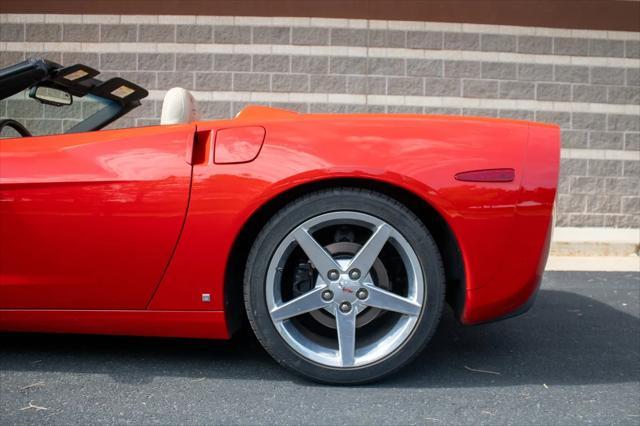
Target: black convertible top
point(21, 76)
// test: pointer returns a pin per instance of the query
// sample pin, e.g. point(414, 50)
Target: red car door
point(90, 220)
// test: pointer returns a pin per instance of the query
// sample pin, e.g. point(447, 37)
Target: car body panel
point(238, 144)
point(502, 228)
point(523, 264)
point(89, 220)
point(189, 324)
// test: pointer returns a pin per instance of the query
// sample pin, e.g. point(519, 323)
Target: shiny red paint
point(523, 265)
point(188, 324)
point(144, 220)
point(89, 220)
point(238, 144)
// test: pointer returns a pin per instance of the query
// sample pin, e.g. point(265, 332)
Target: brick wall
point(588, 82)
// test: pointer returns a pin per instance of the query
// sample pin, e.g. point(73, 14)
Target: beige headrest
point(178, 106)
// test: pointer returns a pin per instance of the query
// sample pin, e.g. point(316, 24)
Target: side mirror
point(51, 96)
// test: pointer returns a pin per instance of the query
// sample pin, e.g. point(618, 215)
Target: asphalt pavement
point(573, 359)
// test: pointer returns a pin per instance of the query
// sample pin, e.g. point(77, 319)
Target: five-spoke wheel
point(345, 288)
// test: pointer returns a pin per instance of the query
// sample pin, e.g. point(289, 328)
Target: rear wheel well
point(435, 223)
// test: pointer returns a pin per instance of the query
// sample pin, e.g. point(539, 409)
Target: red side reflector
point(238, 144)
point(489, 175)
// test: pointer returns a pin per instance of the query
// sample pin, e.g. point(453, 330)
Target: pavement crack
point(476, 370)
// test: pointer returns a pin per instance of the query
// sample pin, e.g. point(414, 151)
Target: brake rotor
point(347, 250)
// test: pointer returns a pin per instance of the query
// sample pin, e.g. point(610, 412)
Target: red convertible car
point(339, 237)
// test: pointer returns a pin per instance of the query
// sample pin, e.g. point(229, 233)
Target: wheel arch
point(434, 221)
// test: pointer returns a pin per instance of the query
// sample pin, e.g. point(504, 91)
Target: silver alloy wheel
point(346, 293)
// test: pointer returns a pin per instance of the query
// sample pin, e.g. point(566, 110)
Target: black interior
point(8, 122)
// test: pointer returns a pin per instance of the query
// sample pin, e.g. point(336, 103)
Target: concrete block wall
point(586, 81)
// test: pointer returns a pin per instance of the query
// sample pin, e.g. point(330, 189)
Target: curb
point(589, 242)
point(593, 263)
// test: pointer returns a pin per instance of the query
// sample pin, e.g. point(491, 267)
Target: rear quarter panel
point(419, 153)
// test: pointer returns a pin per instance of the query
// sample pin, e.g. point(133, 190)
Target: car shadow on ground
point(566, 339)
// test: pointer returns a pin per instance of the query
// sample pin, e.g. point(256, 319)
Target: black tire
point(352, 199)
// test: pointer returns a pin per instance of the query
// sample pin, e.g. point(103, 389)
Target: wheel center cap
point(346, 290)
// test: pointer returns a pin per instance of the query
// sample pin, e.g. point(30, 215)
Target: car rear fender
point(515, 286)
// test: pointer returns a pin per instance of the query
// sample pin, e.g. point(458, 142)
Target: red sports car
point(339, 237)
